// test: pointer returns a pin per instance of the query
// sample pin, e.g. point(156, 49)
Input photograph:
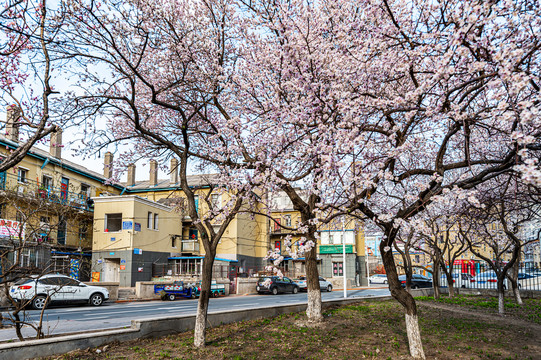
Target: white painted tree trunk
point(200, 327)
point(516, 292)
point(501, 308)
point(313, 310)
point(414, 337)
point(199, 335)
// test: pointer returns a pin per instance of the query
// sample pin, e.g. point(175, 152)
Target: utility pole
point(344, 256)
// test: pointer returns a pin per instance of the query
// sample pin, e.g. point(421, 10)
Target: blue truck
point(178, 290)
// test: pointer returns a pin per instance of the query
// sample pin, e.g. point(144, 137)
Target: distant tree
point(505, 205)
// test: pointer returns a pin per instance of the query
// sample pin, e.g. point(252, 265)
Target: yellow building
point(244, 243)
point(329, 248)
point(130, 234)
point(50, 198)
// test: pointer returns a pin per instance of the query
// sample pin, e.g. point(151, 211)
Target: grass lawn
point(365, 330)
point(529, 311)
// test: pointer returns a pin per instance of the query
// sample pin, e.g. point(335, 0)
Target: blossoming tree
point(27, 30)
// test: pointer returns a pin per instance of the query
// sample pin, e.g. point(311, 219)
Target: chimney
point(174, 171)
point(55, 147)
point(13, 114)
point(153, 181)
point(131, 175)
point(108, 165)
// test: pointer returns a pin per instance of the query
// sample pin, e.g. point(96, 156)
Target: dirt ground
point(365, 330)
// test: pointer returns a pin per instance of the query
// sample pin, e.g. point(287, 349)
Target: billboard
point(11, 229)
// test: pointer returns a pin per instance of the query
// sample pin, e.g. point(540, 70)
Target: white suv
point(59, 288)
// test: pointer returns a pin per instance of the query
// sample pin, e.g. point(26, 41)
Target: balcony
point(190, 246)
point(31, 190)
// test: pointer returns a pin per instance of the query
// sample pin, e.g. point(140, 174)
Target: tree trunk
point(18, 325)
point(408, 279)
point(516, 292)
point(202, 305)
point(405, 299)
point(313, 310)
point(436, 282)
point(414, 337)
point(501, 307)
point(450, 283)
point(514, 282)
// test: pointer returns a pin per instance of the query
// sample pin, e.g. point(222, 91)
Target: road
point(70, 319)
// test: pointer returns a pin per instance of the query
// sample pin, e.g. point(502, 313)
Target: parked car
point(417, 281)
point(323, 284)
point(463, 280)
point(378, 279)
point(489, 280)
point(59, 288)
point(275, 285)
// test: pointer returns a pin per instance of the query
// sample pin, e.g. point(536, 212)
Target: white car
point(378, 279)
point(59, 288)
point(323, 284)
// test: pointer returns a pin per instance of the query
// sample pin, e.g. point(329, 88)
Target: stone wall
point(246, 286)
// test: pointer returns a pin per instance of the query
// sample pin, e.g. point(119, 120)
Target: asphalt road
point(70, 319)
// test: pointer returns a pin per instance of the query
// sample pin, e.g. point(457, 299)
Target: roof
point(199, 257)
point(203, 180)
point(66, 164)
point(131, 197)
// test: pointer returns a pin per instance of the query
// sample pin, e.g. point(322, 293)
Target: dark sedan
point(417, 281)
point(275, 285)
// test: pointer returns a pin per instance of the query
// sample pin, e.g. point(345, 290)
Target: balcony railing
point(31, 189)
point(190, 245)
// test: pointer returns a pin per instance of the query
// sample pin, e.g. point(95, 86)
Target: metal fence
point(482, 277)
point(192, 269)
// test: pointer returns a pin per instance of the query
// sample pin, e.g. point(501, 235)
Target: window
point(337, 269)
point(155, 221)
point(331, 239)
point(287, 219)
point(417, 258)
point(68, 282)
point(277, 227)
point(46, 182)
point(215, 200)
point(22, 175)
point(149, 220)
point(85, 191)
point(61, 233)
point(113, 222)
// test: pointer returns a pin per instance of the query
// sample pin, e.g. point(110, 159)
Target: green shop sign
point(335, 249)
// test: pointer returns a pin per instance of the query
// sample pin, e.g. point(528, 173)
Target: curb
point(133, 300)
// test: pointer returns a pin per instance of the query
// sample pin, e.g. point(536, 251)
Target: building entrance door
point(111, 270)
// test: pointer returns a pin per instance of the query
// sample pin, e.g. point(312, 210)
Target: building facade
point(46, 211)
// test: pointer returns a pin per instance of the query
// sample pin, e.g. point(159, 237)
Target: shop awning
point(70, 253)
point(199, 257)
